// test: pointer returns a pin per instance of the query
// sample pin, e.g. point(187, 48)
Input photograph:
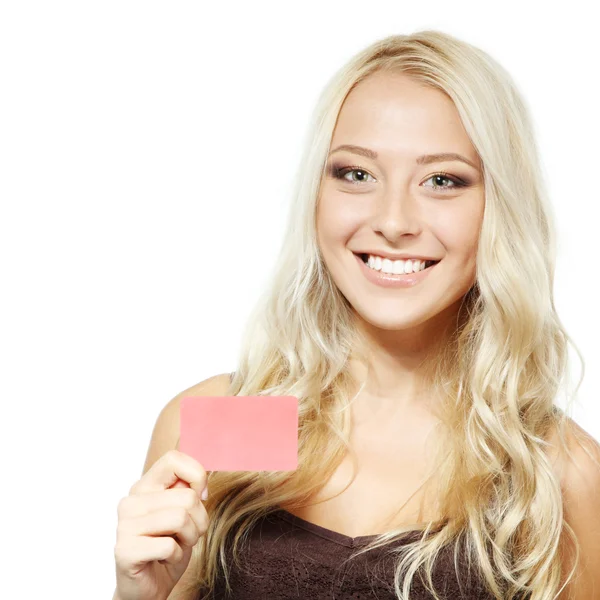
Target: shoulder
point(165, 435)
point(576, 461)
point(217, 385)
point(577, 465)
point(571, 453)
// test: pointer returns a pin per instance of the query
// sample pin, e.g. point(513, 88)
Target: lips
point(365, 258)
point(382, 279)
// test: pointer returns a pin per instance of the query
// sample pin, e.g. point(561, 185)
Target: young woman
point(412, 314)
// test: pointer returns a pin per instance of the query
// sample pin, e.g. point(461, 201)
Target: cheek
point(337, 220)
point(459, 233)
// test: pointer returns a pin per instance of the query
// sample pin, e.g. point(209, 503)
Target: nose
point(396, 215)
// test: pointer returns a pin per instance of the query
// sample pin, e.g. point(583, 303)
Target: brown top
point(288, 557)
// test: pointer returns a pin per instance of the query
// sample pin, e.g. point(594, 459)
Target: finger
point(167, 470)
point(138, 551)
point(203, 495)
point(132, 507)
point(173, 521)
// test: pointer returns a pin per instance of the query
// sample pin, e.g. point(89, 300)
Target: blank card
point(240, 433)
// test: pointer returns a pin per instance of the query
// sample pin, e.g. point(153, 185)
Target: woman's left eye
point(456, 183)
point(340, 173)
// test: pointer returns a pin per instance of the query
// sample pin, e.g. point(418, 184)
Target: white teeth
point(395, 267)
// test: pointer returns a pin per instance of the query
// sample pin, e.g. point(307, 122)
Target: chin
point(397, 320)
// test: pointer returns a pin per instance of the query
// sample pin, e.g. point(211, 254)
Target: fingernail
point(205, 493)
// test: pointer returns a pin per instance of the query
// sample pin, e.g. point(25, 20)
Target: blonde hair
point(497, 379)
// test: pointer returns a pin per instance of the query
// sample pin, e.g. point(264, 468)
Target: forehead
point(392, 113)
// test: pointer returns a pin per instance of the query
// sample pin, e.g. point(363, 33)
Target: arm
point(580, 482)
point(165, 437)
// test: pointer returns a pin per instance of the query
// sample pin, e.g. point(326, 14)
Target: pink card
point(240, 433)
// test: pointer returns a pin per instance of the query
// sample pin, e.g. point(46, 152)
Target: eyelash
point(340, 172)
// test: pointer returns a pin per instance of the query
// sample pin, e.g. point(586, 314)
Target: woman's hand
point(159, 523)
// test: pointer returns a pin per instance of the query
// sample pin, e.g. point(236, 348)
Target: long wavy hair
point(496, 381)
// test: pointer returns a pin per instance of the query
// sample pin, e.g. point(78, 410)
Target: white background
point(146, 157)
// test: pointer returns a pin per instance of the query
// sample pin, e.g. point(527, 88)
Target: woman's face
point(389, 201)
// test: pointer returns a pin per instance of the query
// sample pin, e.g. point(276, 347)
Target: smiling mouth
point(428, 263)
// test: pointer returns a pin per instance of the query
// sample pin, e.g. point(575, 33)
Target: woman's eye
point(439, 177)
point(361, 173)
point(442, 182)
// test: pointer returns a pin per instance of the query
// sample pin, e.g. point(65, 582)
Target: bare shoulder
point(575, 455)
point(217, 385)
point(165, 435)
point(577, 463)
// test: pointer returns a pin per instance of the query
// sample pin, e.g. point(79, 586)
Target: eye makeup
point(339, 171)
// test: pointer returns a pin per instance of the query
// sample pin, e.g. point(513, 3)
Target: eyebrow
point(425, 159)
